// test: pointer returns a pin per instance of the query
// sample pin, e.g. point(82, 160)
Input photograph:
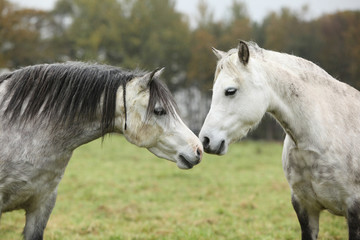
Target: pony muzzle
point(186, 162)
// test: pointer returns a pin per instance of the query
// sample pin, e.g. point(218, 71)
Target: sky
point(257, 9)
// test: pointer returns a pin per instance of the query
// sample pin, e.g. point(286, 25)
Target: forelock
point(159, 93)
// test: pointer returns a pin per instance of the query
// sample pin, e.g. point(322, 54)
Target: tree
point(21, 33)
point(151, 33)
point(282, 30)
point(205, 16)
point(340, 52)
point(89, 30)
point(238, 26)
point(201, 66)
point(158, 36)
point(125, 33)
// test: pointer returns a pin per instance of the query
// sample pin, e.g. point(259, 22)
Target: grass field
point(117, 191)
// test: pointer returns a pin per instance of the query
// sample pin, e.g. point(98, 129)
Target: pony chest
point(315, 180)
point(24, 183)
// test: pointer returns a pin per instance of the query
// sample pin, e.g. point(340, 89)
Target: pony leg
point(36, 219)
point(308, 219)
point(353, 220)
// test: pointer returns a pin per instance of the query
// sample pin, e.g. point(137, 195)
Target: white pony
point(321, 118)
point(48, 110)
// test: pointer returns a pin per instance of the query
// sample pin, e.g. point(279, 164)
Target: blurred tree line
point(148, 34)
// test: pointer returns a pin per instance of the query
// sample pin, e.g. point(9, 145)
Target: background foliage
point(152, 33)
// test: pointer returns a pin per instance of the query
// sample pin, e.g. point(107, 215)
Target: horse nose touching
point(218, 149)
point(198, 155)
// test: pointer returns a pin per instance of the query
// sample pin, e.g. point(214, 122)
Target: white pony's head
point(239, 99)
point(148, 118)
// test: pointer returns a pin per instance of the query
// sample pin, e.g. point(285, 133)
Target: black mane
point(65, 92)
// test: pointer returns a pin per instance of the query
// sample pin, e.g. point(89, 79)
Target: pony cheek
point(146, 135)
point(232, 129)
point(131, 137)
point(163, 149)
point(161, 154)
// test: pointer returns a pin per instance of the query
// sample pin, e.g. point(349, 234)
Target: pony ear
point(219, 54)
point(148, 77)
point(243, 52)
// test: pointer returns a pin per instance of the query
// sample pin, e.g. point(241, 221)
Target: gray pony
point(46, 111)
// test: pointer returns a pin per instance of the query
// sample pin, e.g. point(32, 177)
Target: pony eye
point(159, 111)
point(230, 91)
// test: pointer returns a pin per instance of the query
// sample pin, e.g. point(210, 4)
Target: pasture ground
point(116, 191)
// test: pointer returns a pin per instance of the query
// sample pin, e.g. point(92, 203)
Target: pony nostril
point(198, 153)
point(206, 142)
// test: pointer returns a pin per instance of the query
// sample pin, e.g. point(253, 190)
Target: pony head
point(239, 99)
point(147, 116)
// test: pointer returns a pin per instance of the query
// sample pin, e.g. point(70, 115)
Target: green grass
point(117, 191)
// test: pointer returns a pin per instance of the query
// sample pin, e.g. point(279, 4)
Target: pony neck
point(87, 132)
point(294, 101)
point(83, 132)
